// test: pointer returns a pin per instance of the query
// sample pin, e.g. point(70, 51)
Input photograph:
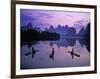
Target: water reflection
point(66, 52)
point(29, 43)
point(86, 42)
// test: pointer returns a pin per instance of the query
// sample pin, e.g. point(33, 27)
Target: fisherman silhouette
point(52, 54)
point(73, 54)
point(33, 52)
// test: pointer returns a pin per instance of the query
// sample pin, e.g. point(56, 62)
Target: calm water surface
point(66, 52)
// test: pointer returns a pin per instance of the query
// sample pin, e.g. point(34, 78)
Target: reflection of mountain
point(65, 42)
point(86, 42)
point(29, 43)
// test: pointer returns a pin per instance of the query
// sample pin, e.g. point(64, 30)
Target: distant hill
point(85, 32)
point(70, 31)
point(29, 26)
point(62, 30)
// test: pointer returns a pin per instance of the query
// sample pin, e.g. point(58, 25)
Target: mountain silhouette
point(27, 27)
point(30, 26)
point(85, 32)
point(70, 31)
point(61, 30)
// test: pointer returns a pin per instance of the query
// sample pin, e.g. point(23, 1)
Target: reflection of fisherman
point(52, 54)
point(52, 51)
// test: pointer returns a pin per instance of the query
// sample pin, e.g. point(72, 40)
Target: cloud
point(45, 18)
point(43, 14)
point(70, 16)
point(82, 22)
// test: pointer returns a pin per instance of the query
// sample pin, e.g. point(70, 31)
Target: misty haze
point(54, 39)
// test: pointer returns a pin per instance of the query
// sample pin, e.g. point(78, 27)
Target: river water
point(66, 52)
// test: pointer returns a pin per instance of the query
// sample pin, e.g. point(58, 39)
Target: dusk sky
point(45, 18)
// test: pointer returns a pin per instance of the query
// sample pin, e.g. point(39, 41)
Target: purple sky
point(45, 18)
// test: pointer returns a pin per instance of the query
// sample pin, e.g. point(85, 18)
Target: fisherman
point(73, 54)
point(33, 51)
point(52, 54)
